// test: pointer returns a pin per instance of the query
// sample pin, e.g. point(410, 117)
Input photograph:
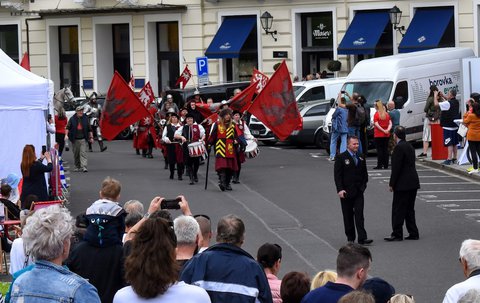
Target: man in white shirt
point(470, 262)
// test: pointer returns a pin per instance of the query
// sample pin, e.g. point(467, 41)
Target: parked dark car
point(313, 116)
point(217, 92)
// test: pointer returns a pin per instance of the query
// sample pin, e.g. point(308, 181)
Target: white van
point(406, 79)
point(305, 91)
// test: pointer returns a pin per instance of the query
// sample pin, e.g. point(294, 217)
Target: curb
point(455, 169)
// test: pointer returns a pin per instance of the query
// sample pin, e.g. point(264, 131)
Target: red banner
point(261, 78)
point(242, 101)
point(184, 77)
point(146, 95)
point(25, 63)
point(276, 106)
point(121, 109)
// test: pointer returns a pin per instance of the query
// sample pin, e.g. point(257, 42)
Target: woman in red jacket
point(381, 134)
point(60, 125)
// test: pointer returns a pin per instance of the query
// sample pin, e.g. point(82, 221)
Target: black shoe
point(103, 149)
point(392, 238)
point(150, 156)
point(137, 152)
point(195, 178)
point(180, 178)
point(365, 241)
point(228, 187)
point(378, 167)
point(236, 182)
point(191, 182)
point(171, 177)
point(422, 155)
point(90, 150)
point(222, 187)
point(412, 238)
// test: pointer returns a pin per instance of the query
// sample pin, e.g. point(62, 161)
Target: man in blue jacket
point(227, 272)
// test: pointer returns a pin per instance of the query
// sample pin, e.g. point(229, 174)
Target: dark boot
point(102, 147)
point(180, 171)
point(223, 179)
point(192, 181)
point(137, 151)
point(172, 171)
point(166, 163)
point(90, 147)
point(236, 177)
point(228, 178)
point(195, 177)
point(149, 153)
point(144, 153)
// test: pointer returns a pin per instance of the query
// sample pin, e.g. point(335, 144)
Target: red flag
point(242, 101)
point(25, 63)
point(205, 109)
point(184, 77)
point(211, 119)
point(261, 78)
point(275, 106)
point(146, 95)
point(121, 109)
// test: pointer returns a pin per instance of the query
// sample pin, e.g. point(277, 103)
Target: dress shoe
point(195, 178)
point(378, 167)
point(191, 182)
point(392, 238)
point(365, 241)
point(412, 238)
point(228, 187)
point(180, 178)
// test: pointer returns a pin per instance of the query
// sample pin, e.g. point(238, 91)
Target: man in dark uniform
point(351, 179)
point(404, 183)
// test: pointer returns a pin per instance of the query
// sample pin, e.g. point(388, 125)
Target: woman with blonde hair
point(381, 134)
point(322, 277)
point(33, 172)
point(401, 298)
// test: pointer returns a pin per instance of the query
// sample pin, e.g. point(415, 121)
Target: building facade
point(81, 42)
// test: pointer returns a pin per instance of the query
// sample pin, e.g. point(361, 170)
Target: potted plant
point(334, 65)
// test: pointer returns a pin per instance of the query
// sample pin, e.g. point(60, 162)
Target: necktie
point(355, 158)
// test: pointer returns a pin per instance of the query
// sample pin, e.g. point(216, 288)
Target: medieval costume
point(173, 146)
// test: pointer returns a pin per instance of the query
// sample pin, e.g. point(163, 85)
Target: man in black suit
point(351, 179)
point(404, 183)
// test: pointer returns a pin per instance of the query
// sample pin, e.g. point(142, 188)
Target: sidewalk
point(460, 170)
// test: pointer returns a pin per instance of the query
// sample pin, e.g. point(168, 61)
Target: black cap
point(189, 115)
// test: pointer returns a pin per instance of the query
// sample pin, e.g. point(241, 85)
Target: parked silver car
point(313, 115)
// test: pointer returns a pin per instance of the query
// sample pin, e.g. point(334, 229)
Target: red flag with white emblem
point(146, 95)
point(276, 106)
point(184, 77)
point(121, 109)
point(261, 78)
point(25, 63)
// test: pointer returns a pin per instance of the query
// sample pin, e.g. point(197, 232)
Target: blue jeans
point(333, 143)
point(355, 131)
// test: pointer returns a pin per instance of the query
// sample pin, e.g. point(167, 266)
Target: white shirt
point(17, 256)
point(200, 127)
point(178, 292)
point(458, 290)
point(164, 134)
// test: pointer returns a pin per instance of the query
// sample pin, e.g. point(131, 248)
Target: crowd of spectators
point(124, 254)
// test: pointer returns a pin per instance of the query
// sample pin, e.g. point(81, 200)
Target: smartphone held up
point(170, 203)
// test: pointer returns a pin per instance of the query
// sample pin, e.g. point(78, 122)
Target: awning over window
point(363, 33)
point(426, 29)
point(230, 37)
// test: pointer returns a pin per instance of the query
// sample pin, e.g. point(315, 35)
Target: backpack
point(360, 115)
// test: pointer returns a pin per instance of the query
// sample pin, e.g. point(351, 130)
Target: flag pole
point(208, 165)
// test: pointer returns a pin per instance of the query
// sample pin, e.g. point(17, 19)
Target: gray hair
point(470, 252)
point(230, 229)
point(186, 229)
point(46, 231)
point(471, 296)
point(134, 206)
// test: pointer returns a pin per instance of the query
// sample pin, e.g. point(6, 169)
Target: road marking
point(453, 200)
point(467, 209)
point(448, 205)
point(449, 191)
point(316, 155)
point(445, 183)
point(420, 176)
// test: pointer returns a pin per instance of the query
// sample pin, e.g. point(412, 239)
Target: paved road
point(287, 196)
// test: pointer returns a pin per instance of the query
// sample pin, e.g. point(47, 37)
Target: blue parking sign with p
point(202, 66)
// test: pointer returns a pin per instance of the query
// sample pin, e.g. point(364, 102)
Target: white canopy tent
point(25, 98)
